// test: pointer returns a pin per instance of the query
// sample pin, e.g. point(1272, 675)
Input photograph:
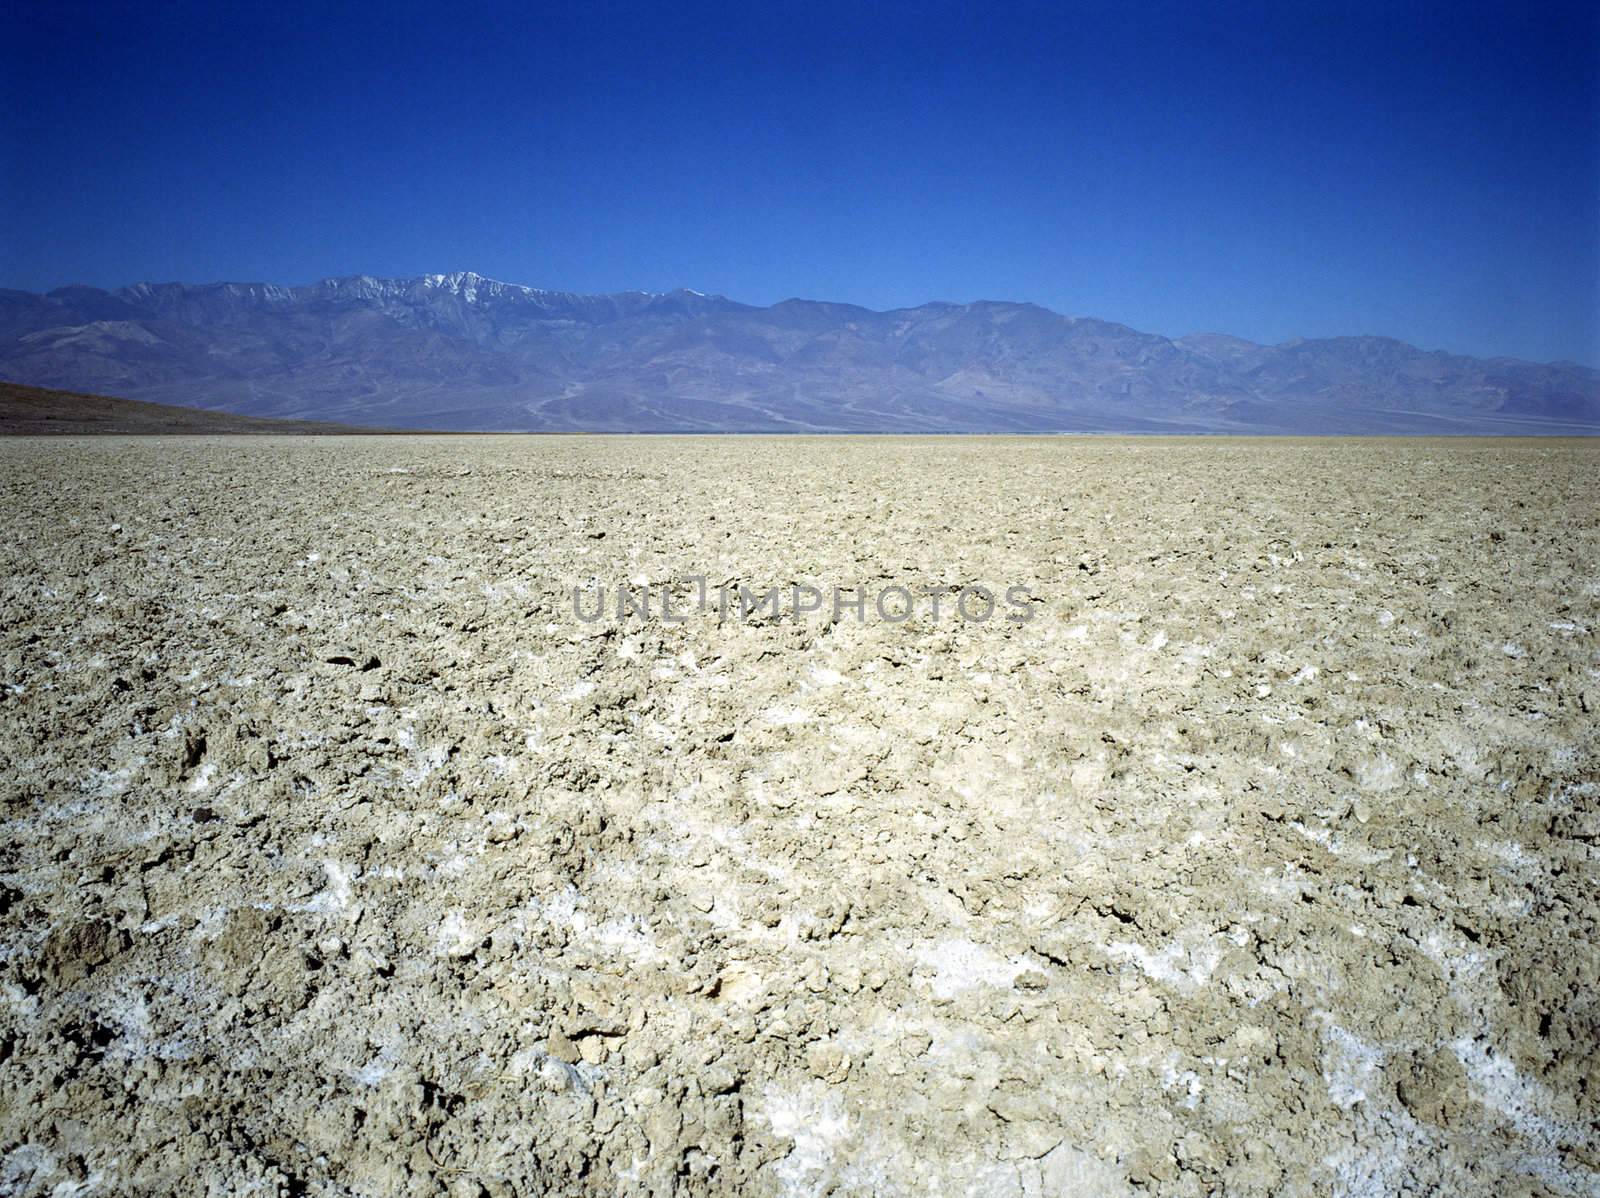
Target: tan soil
point(339, 857)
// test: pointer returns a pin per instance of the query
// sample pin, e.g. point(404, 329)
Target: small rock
point(828, 1062)
point(563, 1049)
point(1032, 979)
point(1195, 1151)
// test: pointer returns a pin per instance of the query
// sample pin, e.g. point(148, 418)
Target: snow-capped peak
point(469, 284)
point(464, 284)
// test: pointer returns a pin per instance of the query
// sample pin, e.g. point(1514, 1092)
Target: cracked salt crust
point(960, 965)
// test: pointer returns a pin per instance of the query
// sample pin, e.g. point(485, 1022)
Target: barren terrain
point(340, 857)
point(460, 351)
point(40, 411)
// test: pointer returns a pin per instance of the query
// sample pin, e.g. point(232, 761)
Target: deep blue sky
point(1431, 172)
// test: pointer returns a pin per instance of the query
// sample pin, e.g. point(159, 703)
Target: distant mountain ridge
point(464, 351)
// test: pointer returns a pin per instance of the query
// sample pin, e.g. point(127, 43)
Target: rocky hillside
point(461, 351)
point(38, 411)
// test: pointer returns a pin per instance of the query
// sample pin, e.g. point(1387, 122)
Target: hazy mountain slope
point(38, 411)
point(467, 352)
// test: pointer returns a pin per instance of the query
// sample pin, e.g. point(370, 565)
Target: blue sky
point(1430, 172)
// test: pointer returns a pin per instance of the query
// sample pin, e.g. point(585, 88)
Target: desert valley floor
point(340, 856)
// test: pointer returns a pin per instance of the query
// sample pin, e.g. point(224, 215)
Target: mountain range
point(460, 351)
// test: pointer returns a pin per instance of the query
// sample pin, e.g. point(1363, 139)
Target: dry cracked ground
point(341, 857)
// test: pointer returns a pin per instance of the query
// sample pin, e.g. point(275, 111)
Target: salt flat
point(344, 852)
